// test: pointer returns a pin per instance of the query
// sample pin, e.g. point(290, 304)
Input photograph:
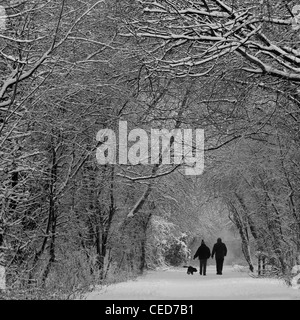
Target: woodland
point(73, 67)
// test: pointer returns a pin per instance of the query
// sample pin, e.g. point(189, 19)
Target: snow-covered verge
point(239, 268)
point(296, 279)
point(175, 284)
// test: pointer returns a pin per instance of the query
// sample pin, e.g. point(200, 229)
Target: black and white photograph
point(149, 153)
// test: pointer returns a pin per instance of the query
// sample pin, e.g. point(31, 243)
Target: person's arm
point(196, 254)
point(213, 252)
point(225, 250)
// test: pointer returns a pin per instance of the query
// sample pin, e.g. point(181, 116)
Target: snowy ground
point(175, 284)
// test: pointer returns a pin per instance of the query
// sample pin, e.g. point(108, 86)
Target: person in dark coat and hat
point(203, 253)
point(220, 251)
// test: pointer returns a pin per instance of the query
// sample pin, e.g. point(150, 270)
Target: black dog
point(190, 269)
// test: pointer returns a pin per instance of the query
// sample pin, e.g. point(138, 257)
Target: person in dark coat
point(220, 251)
point(203, 253)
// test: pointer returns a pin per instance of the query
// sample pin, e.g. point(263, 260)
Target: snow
point(296, 279)
point(296, 269)
point(2, 18)
point(2, 278)
point(296, 282)
point(175, 284)
point(239, 268)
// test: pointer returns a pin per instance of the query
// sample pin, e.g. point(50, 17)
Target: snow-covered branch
point(149, 177)
point(202, 33)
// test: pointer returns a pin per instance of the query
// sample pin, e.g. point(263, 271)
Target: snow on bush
point(160, 235)
point(296, 269)
point(178, 251)
point(296, 282)
point(296, 279)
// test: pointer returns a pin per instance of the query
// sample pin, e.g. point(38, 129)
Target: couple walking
point(203, 253)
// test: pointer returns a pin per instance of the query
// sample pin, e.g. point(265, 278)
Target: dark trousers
point(203, 263)
point(219, 262)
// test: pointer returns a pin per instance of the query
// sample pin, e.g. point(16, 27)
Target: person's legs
point(204, 266)
point(219, 263)
point(201, 266)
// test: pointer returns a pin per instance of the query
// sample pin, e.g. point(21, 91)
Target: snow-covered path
point(175, 284)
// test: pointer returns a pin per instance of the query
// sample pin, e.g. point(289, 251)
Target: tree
point(50, 110)
point(191, 36)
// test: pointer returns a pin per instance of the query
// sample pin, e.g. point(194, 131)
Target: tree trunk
point(52, 214)
point(143, 243)
point(244, 236)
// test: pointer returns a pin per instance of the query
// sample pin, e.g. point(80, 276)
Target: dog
point(190, 269)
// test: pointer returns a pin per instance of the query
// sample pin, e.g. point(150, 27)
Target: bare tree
point(189, 37)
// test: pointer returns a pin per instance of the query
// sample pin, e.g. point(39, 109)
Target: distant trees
point(245, 55)
point(257, 178)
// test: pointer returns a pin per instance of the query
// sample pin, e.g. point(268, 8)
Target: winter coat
point(203, 252)
point(219, 250)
